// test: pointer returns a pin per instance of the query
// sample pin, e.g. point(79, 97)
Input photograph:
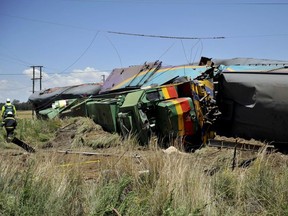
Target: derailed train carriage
point(181, 102)
point(253, 101)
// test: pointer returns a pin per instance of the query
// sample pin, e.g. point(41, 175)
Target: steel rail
point(239, 145)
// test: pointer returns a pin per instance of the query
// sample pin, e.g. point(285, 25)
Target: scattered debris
point(171, 150)
point(23, 145)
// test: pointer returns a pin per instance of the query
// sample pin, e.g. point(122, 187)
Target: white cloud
point(20, 88)
point(90, 74)
point(14, 89)
point(76, 77)
point(3, 84)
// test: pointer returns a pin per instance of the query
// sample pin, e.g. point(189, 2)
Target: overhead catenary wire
point(184, 51)
point(17, 60)
point(82, 54)
point(66, 73)
point(46, 22)
point(162, 36)
point(144, 35)
point(191, 51)
point(63, 71)
point(185, 2)
point(166, 37)
point(166, 50)
point(197, 51)
point(152, 33)
point(114, 47)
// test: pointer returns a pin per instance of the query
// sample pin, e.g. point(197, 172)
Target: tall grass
point(36, 132)
point(39, 189)
point(144, 182)
point(172, 185)
point(24, 114)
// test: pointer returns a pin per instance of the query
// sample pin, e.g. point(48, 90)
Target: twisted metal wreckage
point(244, 98)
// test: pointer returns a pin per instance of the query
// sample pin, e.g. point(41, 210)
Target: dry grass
point(149, 184)
point(136, 180)
point(24, 114)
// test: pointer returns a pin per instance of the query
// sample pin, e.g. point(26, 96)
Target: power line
point(47, 22)
point(18, 60)
point(83, 53)
point(115, 50)
point(13, 74)
point(255, 36)
point(184, 51)
point(165, 36)
point(67, 72)
point(181, 2)
point(167, 50)
point(191, 51)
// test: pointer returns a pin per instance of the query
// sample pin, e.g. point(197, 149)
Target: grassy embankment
point(24, 114)
point(167, 184)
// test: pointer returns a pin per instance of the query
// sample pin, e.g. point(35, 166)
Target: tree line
point(20, 105)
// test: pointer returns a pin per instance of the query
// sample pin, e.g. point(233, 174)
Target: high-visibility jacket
point(9, 123)
point(8, 107)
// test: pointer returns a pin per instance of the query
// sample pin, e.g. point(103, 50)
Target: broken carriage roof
point(149, 74)
point(250, 65)
point(154, 74)
point(44, 98)
point(248, 61)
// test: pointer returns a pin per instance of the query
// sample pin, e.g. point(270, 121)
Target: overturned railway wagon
point(236, 98)
point(253, 100)
point(170, 111)
point(46, 98)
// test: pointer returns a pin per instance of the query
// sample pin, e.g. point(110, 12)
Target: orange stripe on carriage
point(187, 121)
point(169, 92)
point(185, 124)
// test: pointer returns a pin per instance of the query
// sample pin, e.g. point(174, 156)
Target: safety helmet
point(9, 113)
point(8, 100)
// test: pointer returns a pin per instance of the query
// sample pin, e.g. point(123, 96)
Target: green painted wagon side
point(77, 108)
point(132, 120)
point(104, 112)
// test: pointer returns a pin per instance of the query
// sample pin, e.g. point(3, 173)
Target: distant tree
point(15, 101)
point(20, 105)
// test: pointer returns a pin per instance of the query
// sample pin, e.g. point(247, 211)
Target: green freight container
point(104, 112)
point(75, 110)
point(132, 120)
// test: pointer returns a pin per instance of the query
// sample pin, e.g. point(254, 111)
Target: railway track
point(239, 145)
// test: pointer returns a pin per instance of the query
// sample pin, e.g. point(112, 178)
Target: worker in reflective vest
point(10, 123)
point(8, 107)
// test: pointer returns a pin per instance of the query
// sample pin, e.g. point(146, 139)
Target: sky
point(79, 41)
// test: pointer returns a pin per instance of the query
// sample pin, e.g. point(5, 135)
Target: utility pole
point(33, 81)
point(36, 78)
point(103, 78)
